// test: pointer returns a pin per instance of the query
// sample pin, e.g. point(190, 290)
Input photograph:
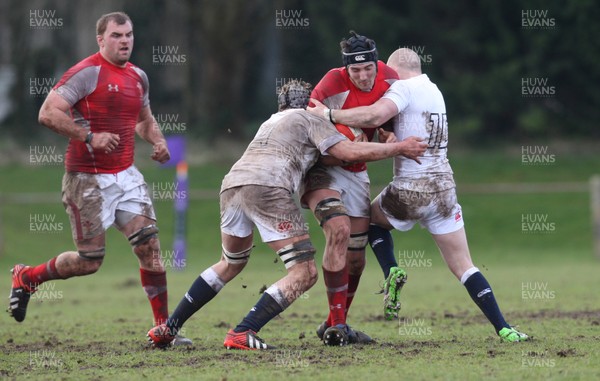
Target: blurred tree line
point(509, 70)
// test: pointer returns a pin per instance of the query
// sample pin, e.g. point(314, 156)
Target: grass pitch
point(544, 279)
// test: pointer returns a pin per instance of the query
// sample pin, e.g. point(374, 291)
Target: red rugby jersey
point(337, 91)
point(104, 98)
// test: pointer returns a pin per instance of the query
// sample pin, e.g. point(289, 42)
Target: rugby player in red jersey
point(100, 104)
point(339, 195)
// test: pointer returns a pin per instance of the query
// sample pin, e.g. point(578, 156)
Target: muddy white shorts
point(92, 200)
point(354, 187)
point(438, 212)
point(272, 210)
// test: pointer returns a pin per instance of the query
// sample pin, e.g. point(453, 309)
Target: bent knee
point(89, 266)
point(337, 231)
point(148, 249)
point(312, 274)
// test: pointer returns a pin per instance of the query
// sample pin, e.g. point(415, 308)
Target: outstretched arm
point(364, 116)
point(148, 129)
point(411, 147)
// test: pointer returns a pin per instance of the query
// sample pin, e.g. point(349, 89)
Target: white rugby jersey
point(422, 113)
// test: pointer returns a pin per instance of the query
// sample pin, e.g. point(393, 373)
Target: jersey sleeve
point(323, 135)
point(398, 93)
point(77, 83)
point(145, 86)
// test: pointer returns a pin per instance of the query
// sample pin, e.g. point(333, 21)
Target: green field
point(544, 277)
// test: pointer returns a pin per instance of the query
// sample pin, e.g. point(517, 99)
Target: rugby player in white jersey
point(258, 192)
point(423, 193)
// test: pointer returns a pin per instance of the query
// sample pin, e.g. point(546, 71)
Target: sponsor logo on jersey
point(457, 217)
point(284, 226)
point(113, 88)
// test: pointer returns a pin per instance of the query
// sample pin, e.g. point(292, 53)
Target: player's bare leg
point(327, 206)
point(25, 279)
point(455, 251)
point(142, 234)
point(298, 255)
point(355, 255)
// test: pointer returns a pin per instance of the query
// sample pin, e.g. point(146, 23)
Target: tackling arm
point(364, 116)
point(411, 147)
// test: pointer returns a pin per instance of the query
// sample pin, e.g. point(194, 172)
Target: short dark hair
point(119, 18)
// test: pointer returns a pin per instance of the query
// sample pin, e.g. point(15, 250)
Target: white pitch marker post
point(595, 204)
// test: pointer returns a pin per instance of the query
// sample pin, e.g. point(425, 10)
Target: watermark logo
point(280, 82)
point(285, 154)
point(169, 259)
point(537, 155)
point(46, 292)
point(44, 19)
point(426, 59)
point(413, 259)
point(39, 87)
point(537, 359)
point(168, 190)
point(537, 19)
point(170, 124)
point(537, 87)
point(413, 327)
point(181, 331)
point(44, 223)
point(44, 359)
point(414, 195)
point(290, 359)
point(292, 222)
point(294, 290)
point(45, 155)
point(290, 19)
point(168, 55)
point(536, 291)
point(537, 223)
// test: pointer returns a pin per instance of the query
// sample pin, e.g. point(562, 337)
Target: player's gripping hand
point(105, 141)
point(386, 136)
point(413, 148)
point(316, 108)
point(160, 152)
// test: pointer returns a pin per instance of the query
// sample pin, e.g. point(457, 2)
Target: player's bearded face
point(363, 75)
point(116, 43)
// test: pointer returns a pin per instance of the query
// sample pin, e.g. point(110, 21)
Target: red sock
point(41, 273)
point(336, 283)
point(352, 286)
point(155, 286)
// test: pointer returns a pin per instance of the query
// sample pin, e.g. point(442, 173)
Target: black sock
point(382, 245)
point(481, 293)
point(265, 309)
point(197, 296)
